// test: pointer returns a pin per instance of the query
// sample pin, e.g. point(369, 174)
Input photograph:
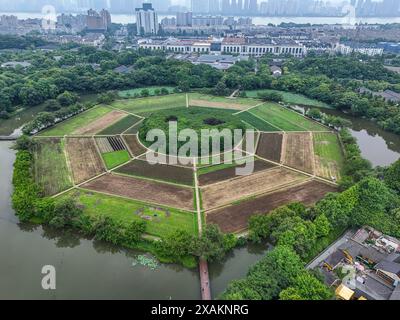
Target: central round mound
point(196, 119)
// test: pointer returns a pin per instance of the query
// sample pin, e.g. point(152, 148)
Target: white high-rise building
point(146, 20)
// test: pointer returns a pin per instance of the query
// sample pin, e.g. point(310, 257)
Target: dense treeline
point(8, 41)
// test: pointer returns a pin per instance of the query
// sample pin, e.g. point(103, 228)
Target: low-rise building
point(354, 47)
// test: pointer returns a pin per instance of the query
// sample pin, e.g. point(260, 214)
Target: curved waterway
point(380, 147)
point(88, 269)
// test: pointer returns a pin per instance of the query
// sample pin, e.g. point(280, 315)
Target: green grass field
point(114, 159)
point(291, 98)
point(159, 221)
point(74, 123)
point(327, 148)
point(131, 93)
point(244, 101)
point(120, 126)
point(256, 122)
point(151, 104)
point(50, 166)
point(285, 119)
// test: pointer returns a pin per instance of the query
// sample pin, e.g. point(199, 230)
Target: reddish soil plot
point(84, 159)
point(298, 151)
point(220, 194)
point(235, 218)
point(134, 146)
point(218, 105)
point(270, 146)
point(101, 123)
point(144, 190)
point(230, 173)
point(163, 172)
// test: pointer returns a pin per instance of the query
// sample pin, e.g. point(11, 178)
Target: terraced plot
point(285, 119)
point(84, 159)
point(76, 123)
point(144, 190)
point(270, 146)
point(256, 122)
point(141, 168)
point(235, 218)
point(298, 151)
point(328, 155)
point(100, 124)
point(230, 191)
point(120, 126)
point(219, 173)
point(135, 148)
point(51, 171)
point(149, 105)
point(160, 221)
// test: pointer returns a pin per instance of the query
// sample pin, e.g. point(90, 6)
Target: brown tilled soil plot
point(134, 146)
point(270, 146)
point(227, 192)
point(101, 123)
point(235, 218)
point(299, 151)
point(229, 173)
point(144, 190)
point(84, 159)
point(158, 171)
point(218, 105)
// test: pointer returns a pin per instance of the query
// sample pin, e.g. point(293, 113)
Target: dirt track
point(270, 146)
point(299, 152)
point(235, 218)
point(101, 123)
point(227, 192)
point(144, 190)
point(84, 159)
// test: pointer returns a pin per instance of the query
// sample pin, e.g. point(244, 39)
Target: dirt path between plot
point(101, 123)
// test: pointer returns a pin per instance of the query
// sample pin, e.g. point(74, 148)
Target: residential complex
point(146, 20)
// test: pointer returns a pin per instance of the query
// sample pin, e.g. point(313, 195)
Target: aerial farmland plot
point(235, 218)
point(328, 155)
point(100, 153)
point(298, 151)
point(77, 123)
point(237, 189)
point(120, 126)
point(144, 190)
point(168, 173)
point(84, 159)
point(51, 171)
point(149, 105)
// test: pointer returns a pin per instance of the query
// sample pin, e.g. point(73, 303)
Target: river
point(131, 18)
point(88, 269)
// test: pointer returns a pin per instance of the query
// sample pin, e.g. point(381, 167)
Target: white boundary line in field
point(247, 109)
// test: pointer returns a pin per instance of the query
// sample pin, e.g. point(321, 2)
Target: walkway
point(203, 266)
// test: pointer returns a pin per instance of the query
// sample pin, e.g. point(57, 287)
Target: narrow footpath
point(203, 265)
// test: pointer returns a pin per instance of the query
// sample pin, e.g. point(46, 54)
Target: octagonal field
point(100, 158)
